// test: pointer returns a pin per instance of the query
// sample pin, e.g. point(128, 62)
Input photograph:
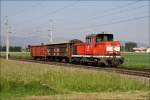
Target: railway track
point(135, 72)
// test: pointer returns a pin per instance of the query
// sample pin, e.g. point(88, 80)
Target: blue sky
point(30, 20)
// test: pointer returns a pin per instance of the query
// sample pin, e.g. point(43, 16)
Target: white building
point(141, 49)
point(148, 50)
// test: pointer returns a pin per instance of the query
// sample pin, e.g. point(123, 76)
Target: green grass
point(19, 79)
point(17, 54)
point(136, 60)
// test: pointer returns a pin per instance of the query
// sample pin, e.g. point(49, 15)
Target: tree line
point(11, 48)
point(129, 46)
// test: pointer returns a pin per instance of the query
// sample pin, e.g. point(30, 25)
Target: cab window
point(88, 39)
point(104, 37)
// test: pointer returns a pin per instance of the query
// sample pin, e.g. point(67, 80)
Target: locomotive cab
point(100, 48)
point(112, 47)
point(103, 44)
point(97, 38)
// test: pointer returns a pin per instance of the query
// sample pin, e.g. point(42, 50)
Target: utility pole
point(51, 30)
point(7, 37)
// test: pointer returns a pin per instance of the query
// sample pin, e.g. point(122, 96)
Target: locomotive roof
point(99, 33)
point(106, 33)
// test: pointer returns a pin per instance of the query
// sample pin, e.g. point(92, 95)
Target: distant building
point(141, 49)
point(148, 50)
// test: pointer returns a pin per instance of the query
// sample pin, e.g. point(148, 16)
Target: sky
point(31, 20)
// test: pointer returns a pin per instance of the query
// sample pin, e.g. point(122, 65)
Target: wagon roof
point(58, 42)
point(65, 42)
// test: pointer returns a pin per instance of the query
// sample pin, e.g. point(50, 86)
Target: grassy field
point(17, 54)
point(132, 60)
point(136, 60)
point(25, 79)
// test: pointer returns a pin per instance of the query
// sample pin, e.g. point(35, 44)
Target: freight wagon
point(61, 51)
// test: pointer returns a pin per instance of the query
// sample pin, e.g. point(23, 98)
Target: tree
point(12, 48)
point(130, 45)
point(122, 48)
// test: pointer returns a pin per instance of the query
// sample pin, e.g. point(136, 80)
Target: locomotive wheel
point(113, 63)
point(63, 60)
point(75, 60)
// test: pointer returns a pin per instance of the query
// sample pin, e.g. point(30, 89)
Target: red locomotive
point(99, 49)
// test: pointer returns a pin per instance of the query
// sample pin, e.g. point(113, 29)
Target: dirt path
point(95, 96)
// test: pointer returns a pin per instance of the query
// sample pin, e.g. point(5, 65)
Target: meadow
point(136, 60)
point(16, 54)
point(25, 79)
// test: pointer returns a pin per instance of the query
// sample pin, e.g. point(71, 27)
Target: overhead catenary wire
point(70, 5)
point(116, 22)
point(56, 11)
point(64, 7)
point(25, 9)
point(53, 12)
point(123, 12)
point(135, 8)
point(120, 11)
point(117, 8)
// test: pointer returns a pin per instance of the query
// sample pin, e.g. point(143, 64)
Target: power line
point(25, 9)
point(64, 7)
point(70, 5)
point(60, 9)
point(122, 6)
point(135, 8)
point(108, 10)
point(117, 22)
point(122, 11)
point(122, 17)
point(117, 8)
point(55, 11)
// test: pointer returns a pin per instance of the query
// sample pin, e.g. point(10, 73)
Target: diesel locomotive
point(98, 49)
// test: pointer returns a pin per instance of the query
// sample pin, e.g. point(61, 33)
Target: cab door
point(89, 46)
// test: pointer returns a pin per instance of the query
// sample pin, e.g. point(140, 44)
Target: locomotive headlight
point(109, 48)
point(117, 48)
